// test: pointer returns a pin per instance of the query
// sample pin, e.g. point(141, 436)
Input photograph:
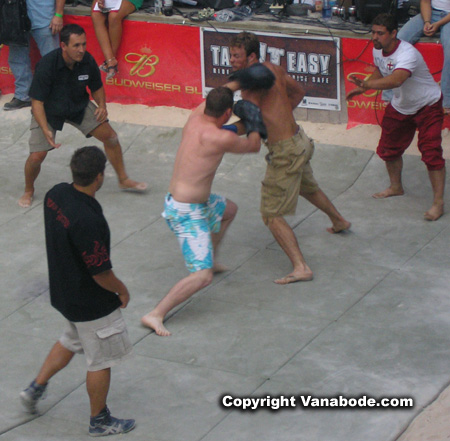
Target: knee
point(98, 19)
point(433, 161)
point(445, 34)
point(232, 209)
point(268, 220)
point(37, 158)
point(446, 49)
point(115, 19)
point(389, 155)
point(205, 278)
point(110, 138)
point(113, 139)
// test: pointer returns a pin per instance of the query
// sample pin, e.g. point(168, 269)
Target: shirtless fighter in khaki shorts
point(288, 171)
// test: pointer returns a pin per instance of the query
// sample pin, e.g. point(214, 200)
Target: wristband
point(427, 22)
point(58, 15)
point(230, 127)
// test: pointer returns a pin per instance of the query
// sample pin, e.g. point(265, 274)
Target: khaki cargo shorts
point(288, 171)
point(104, 341)
point(38, 142)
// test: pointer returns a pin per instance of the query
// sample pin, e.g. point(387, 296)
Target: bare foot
point(26, 199)
point(434, 213)
point(294, 277)
point(130, 185)
point(339, 227)
point(388, 193)
point(219, 268)
point(154, 322)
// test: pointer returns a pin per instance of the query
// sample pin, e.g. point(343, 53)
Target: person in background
point(46, 18)
point(59, 95)
point(416, 105)
point(107, 22)
point(434, 17)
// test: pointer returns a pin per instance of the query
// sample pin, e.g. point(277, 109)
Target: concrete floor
point(375, 321)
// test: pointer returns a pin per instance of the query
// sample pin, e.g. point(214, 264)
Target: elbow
point(396, 84)
point(101, 276)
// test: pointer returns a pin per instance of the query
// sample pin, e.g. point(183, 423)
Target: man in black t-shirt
point(84, 289)
point(58, 95)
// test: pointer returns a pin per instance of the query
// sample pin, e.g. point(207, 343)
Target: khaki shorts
point(38, 142)
point(104, 341)
point(288, 171)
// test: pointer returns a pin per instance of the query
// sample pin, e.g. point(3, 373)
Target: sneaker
point(31, 395)
point(15, 104)
point(104, 424)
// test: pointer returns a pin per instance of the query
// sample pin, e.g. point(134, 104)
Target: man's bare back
point(202, 147)
point(197, 160)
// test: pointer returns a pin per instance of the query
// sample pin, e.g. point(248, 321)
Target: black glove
point(251, 117)
point(257, 76)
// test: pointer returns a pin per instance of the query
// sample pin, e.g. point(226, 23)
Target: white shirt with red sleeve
point(420, 89)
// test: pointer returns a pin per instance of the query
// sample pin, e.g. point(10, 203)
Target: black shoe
point(15, 104)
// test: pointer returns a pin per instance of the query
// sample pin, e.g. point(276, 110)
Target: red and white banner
point(159, 64)
point(368, 108)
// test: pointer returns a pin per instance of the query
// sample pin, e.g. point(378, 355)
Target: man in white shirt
point(417, 104)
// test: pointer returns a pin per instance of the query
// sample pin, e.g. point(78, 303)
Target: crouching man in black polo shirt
point(84, 289)
point(58, 94)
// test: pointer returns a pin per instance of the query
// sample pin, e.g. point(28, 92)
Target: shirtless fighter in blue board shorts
point(198, 218)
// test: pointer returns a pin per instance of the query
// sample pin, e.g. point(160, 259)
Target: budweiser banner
point(312, 61)
point(172, 65)
point(159, 64)
point(6, 76)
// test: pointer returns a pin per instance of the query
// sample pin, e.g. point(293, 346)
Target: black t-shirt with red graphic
point(78, 247)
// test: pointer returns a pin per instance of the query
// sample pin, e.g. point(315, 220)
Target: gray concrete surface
point(375, 321)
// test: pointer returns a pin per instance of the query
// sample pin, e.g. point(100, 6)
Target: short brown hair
point(248, 41)
point(86, 164)
point(68, 30)
point(218, 101)
point(387, 20)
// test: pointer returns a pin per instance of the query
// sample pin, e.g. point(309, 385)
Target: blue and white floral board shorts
point(193, 225)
